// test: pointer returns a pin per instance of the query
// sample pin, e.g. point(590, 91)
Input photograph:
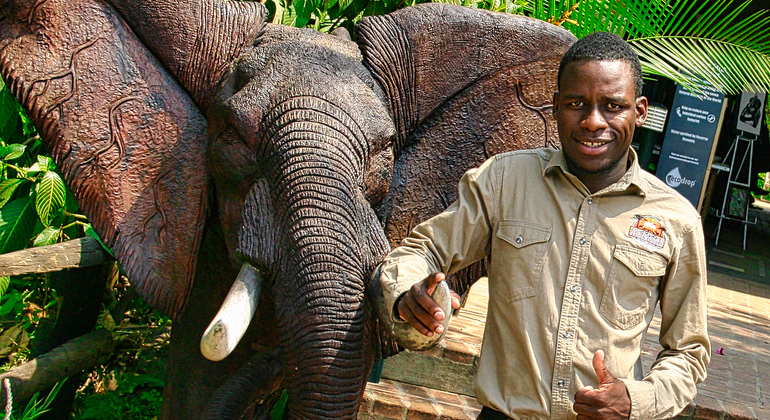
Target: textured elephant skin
point(315, 156)
point(127, 138)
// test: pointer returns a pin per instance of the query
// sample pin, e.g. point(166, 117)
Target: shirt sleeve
point(681, 365)
point(448, 242)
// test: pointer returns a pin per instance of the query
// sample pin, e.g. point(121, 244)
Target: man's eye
point(576, 103)
point(613, 106)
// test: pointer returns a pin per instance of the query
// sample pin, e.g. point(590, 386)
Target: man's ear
point(641, 110)
point(556, 103)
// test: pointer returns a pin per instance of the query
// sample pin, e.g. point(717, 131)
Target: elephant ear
point(463, 84)
point(128, 140)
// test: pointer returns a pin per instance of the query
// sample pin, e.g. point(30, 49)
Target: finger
point(405, 312)
point(585, 410)
point(432, 280)
point(605, 376)
point(456, 301)
point(423, 307)
point(422, 295)
point(583, 395)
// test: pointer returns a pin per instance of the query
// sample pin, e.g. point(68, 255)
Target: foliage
point(131, 385)
point(35, 407)
point(35, 205)
point(683, 40)
point(36, 209)
point(126, 402)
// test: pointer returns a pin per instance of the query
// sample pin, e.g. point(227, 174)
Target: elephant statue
point(216, 153)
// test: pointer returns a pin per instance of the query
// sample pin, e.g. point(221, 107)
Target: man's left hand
point(609, 401)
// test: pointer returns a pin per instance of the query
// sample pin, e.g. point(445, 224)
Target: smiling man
point(583, 245)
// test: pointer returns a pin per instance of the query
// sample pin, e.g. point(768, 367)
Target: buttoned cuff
point(642, 396)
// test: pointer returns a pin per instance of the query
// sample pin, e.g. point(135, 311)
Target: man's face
point(596, 111)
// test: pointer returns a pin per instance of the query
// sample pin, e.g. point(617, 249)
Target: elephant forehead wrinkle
point(320, 137)
point(320, 183)
point(318, 258)
point(323, 111)
point(317, 215)
point(308, 157)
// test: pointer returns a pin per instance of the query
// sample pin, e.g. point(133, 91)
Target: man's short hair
point(600, 46)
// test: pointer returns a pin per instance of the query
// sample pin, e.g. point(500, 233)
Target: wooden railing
point(71, 344)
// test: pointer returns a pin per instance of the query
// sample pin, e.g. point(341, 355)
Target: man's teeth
point(591, 144)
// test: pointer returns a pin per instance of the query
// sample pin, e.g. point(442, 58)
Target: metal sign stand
point(733, 173)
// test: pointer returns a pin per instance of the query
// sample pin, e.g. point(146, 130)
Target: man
point(582, 244)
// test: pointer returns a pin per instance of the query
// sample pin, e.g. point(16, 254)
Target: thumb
point(605, 376)
point(433, 280)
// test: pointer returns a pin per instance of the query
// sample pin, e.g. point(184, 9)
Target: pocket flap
point(642, 263)
point(520, 234)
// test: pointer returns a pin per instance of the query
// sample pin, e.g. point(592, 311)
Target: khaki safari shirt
point(571, 272)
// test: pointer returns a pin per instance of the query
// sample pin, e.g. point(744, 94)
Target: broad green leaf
point(48, 236)
point(46, 163)
point(8, 187)
point(12, 151)
point(17, 220)
point(304, 9)
point(51, 195)
point(5, 281)
point(8, 305)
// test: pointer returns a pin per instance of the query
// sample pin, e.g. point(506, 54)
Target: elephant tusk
point(234, 316)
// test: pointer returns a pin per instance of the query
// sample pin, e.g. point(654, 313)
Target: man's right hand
point(418, 308)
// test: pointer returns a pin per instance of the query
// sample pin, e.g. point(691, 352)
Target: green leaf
point(8, 187)
point(12, 151)
point(34, 169)
point(304, 10)
point(51, 195)
point(48, 236)
point(89, 230)
point(17, 220)
point(46, 163)
point(9, 117)
point(684, 40)
point(5, 281)
point(7, 307)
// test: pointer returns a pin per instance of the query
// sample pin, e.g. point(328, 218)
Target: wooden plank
point(81, 252)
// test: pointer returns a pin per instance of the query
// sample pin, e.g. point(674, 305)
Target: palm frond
point(684, 40)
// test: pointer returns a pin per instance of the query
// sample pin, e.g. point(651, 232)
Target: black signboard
point(689, 139)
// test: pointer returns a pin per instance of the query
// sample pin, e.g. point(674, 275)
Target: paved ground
point(738, 385)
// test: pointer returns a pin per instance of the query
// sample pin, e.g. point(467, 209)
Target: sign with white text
point(689, 139)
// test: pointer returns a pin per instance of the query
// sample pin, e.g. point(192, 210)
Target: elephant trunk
point(334, 241)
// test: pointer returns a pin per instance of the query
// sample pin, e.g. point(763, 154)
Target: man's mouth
point(592, 143)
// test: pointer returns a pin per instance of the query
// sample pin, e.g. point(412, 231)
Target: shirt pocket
point(520, 254)
point(632, 282)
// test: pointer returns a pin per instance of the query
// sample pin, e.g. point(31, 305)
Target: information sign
point(689, 140)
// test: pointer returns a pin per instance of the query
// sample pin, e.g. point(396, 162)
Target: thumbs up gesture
point(609, 401)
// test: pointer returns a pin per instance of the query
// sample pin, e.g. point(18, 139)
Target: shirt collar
point(632, 180)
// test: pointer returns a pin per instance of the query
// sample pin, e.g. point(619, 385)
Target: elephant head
point(204, 143)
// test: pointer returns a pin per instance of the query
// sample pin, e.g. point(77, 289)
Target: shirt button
point(590, 200)
point(519, 240)
point(583, 241)
point(573, 288)
point(565, 334)
point(561, 383)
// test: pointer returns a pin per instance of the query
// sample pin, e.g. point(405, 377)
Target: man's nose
point(594, 120)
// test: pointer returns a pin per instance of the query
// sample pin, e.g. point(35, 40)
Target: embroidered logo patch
point(648, 231)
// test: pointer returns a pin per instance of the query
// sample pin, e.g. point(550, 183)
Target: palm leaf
point(685, 40)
